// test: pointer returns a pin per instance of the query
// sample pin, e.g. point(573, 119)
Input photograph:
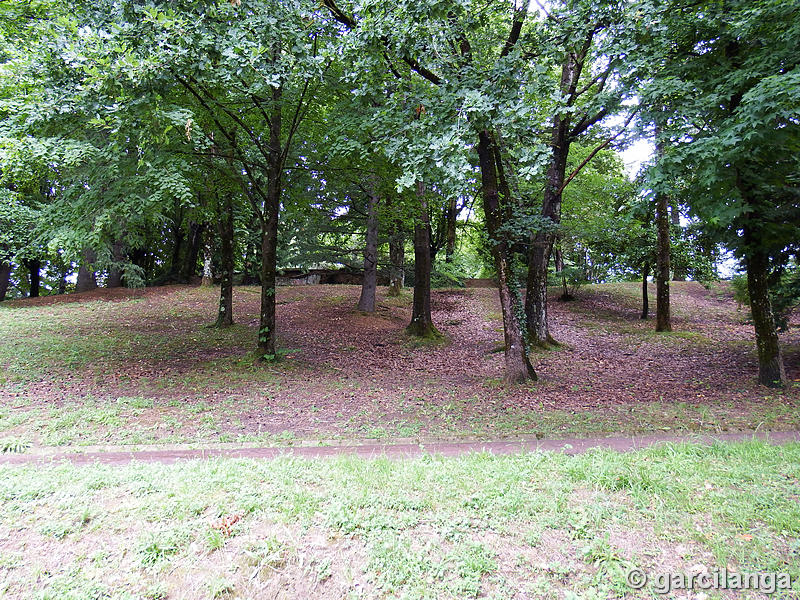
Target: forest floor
point(141, 367)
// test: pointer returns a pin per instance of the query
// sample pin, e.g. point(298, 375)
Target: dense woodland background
point(419, 144)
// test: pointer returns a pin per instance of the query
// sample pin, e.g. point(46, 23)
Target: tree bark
point(771, 371)
point(421, 321)
point(207, 279)
point(86, 277)
point(663, 321)
point(267, 337)
point(645, 297)
point(5, 279)
point(452, 213)
point(542, 241)
point(397, 258)
point(226, 233)
point(189, 266)
point(366, 302)
point(34, 267)
point(115, 273)
point(518, 368)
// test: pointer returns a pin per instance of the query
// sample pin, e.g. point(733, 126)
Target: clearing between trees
point(114, 367)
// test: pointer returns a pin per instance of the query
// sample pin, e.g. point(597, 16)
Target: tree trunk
point(115, 273)
point(366, 302)
point(771, 371)
point(86, 276)
point(34, 267)
point(663, 322)
point(645, 297)
point(542, 241)
point(267, 337)
point(518, 366)
point(397, 258)
point(421, 321)
point(450, 248)
point(5, 279)
point(189, 266)
point(208, 267)
point(226, 232)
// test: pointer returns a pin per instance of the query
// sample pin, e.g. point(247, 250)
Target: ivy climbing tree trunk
point(421, 321)
point(366, 302)
point(771, 371)
point(518, 366)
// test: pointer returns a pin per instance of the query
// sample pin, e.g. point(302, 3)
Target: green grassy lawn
point(527, 526)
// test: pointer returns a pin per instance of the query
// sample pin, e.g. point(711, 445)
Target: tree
point(728, 77)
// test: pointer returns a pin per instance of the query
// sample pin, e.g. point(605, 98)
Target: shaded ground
point(144, 369)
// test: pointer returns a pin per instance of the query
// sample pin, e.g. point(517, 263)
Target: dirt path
point(408, 450)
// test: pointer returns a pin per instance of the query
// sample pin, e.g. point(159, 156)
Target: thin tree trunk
point(207, 279)
point(115, 273)
point(189, 266)
point(34, 267)
point(86, 276)
point(518, 368)
point(663, 321)
point(678, 271)
point(366, 302)
point(267, 337)
point(226, 233)
point(5, 279)
point(645, 297)
point(421, 321)
point(450, 248)
point(771, 371)
point(397, 258)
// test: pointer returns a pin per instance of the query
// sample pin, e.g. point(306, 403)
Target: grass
point(148, 371)
point(535, 525)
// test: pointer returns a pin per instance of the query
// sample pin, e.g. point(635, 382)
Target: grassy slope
point(530, 526)
point(147, 371)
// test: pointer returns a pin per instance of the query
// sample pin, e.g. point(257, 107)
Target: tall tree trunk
point(115, 273)
point(771, 371)
point(450, 248)
point(542, 241)
point(517, 364)
point(366, 302)
point(645, 297)
point(189, 265)
point(5, 279)
point(267, 336)
point(663, 321)
point(226, 232)
point(397, 258)
point(86, 276)
point(34, 267)
point(421, 321)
